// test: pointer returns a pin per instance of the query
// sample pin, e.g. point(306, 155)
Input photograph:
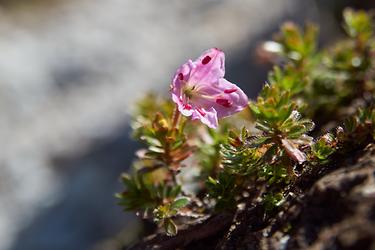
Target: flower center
point(194, 93)
point(190, 91)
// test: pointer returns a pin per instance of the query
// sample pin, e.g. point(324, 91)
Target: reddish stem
point(175, 117)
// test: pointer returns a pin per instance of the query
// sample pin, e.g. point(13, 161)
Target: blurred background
point(70, 72)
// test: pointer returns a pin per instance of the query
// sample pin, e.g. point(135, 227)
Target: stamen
point(206, 60)
point(230, 91)
point(223, 102)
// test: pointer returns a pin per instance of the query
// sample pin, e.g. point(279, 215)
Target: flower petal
point(185, 108)
point(208, 117)
point(181, 76)
point(230, 100)
point(209, 67)
point(179, 80)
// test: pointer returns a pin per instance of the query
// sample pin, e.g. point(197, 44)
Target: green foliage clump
point(189, 171)
point(326, 81)
point(323, 148)
point(297, 45)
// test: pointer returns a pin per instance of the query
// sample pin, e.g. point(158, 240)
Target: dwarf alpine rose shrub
point(190, 171)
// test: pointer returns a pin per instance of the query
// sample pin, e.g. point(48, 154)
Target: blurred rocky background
point(70, 71)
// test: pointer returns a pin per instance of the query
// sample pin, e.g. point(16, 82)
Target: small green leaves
point(294, 127)
point(180, 202)
point(170, 209)
point(153, 190)
point(273, 106)
point(223, 190)
point(321, 82)
point(165, 212)
point(282, 127)
point(357, 128)
point(358, 24)
point(275, 173)
point(239, 158)
point(165, 144)
point(170, 227)
point(141, 194)
point(288, 79)
point(272, 200)
point(324, 147)
point(297, 45)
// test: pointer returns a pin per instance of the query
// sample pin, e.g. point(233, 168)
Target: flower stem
point(175, 117)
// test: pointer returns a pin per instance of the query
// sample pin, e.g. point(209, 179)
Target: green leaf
point(271, 201)
point(151, 141)
point(180, 202)
point(211, 180)
point(170, 227)
point(254, 108)
point(156, 149)
point(358, 24)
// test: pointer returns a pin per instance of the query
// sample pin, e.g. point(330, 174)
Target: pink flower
point(200, 90)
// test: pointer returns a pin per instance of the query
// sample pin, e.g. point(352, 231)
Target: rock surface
point(339, 210)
